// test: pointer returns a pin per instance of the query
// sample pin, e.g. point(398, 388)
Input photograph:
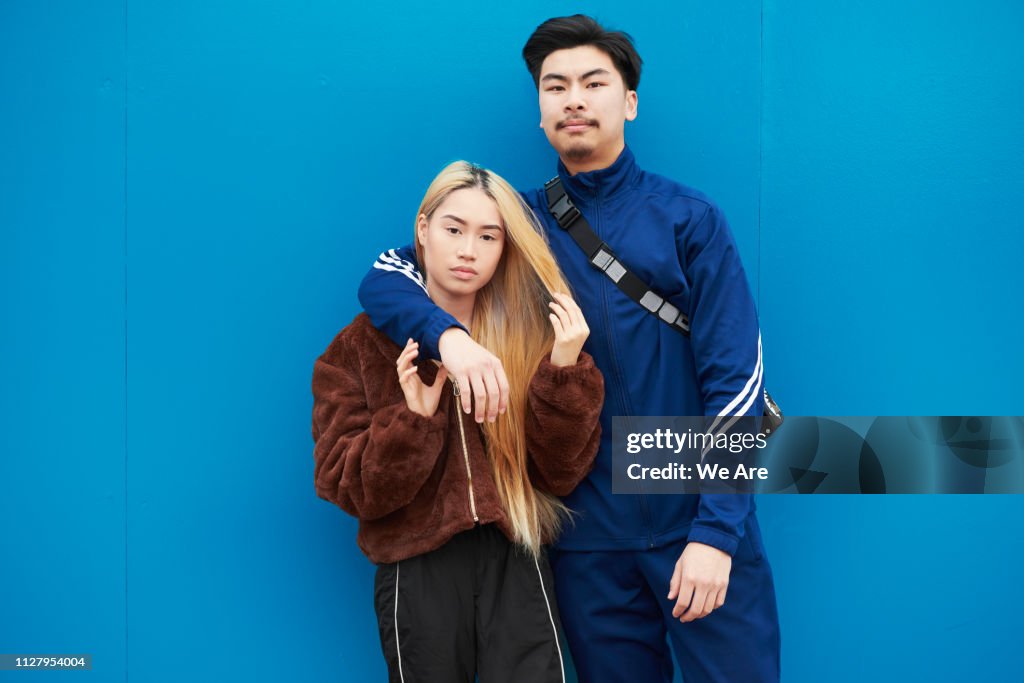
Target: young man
point(634, 568)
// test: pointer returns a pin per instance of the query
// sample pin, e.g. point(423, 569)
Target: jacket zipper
point(623, 394)
point(465, 450)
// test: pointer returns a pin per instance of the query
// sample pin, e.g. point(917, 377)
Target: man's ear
point(631, 105)
point(421, 229)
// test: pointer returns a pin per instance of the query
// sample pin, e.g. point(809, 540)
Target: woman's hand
point(421, 399)
point(570, 330)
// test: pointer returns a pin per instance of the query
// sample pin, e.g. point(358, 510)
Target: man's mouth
point(576, 125)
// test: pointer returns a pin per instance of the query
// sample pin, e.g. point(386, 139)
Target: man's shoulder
point(649, 185)
point(658, 185)
point(535, 198)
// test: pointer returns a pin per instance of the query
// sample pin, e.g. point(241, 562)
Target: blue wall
point(62, 334)
point(190, 194)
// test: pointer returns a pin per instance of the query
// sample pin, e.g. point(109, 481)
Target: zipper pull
point(455, 386)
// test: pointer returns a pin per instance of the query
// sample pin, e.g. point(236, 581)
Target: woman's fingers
point(570, 315)
point(404, 364)
point(410, 351)
point(410, 347)
point(564, 301)
point(557, 324)
point(572, 309)
point(568, 327)
point(405, 360)
point(563, 316)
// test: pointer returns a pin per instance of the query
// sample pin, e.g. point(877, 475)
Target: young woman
point(455, 514)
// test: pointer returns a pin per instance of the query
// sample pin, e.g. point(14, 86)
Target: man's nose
point(576, 100)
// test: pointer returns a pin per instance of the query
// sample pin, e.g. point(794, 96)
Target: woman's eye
point(488, 238)
point(452, 229)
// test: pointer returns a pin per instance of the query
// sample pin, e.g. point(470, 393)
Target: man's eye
point(556, 88)
point(594, 85)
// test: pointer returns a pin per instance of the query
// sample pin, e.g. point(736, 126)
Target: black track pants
point(476, 605)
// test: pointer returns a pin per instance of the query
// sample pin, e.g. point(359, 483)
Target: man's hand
point(699, 581)
point(421, 399)
point(475, 367)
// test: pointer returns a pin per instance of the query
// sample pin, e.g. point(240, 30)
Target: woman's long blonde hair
point(510, 319)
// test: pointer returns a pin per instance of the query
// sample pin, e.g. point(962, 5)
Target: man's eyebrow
point(595, 72)
point(599, 71)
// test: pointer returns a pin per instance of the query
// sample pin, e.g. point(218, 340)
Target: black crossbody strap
point(603, 258)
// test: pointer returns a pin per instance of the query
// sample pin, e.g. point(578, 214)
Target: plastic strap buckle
point(564, 211)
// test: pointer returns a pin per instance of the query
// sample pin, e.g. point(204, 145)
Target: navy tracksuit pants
point(617, 618)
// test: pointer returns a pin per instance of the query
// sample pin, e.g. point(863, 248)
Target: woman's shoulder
point(359, 339)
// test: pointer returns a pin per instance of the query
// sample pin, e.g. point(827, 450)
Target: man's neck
point(597, 160)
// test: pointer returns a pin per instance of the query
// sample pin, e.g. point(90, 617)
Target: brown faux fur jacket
point(405, 476)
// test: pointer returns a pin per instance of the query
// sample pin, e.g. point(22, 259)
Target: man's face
point(584, 106)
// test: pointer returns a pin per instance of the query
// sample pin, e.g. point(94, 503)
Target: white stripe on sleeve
point(754, 377)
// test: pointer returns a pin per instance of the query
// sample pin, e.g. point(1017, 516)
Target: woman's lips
point(463, 273)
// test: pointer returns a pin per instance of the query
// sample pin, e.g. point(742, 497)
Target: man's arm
point(727, 349)
point(393, 293)
point(726, 344)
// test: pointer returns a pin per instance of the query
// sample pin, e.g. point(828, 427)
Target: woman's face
point(462, 243)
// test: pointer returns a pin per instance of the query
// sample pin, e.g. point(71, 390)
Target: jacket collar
point(602, 183)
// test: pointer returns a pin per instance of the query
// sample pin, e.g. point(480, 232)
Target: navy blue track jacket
point(677, 241)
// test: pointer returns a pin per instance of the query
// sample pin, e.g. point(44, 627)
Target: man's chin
point(577, 152)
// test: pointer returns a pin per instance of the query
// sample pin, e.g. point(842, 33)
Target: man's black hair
point(562, 33)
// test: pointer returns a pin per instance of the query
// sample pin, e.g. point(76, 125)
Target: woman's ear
point(421, 229)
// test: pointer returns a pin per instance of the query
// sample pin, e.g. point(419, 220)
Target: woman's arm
point(563, 404)
point(562, 429)
point(369, 464)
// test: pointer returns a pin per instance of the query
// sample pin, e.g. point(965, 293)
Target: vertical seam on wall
point(760, 150)
point(125, 256)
